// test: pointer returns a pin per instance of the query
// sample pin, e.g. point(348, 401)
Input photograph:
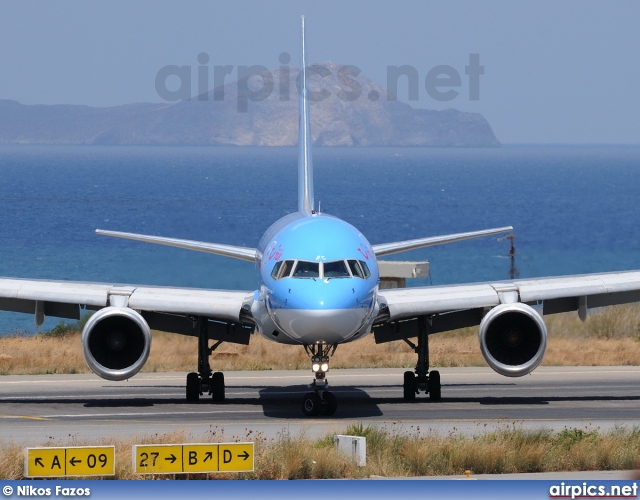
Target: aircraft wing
point(236, 252)
point(555, 294)
point(64, 299)
point(402, 246)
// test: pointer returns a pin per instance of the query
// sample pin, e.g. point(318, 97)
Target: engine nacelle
point(116, 342)
point(513, 339)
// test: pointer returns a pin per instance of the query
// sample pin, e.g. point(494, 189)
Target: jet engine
point(513, 339)
point(116, 342)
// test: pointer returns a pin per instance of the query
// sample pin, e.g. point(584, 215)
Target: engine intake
point(116, 342)
point(513, 339)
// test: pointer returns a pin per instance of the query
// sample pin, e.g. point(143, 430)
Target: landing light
point(317, 367)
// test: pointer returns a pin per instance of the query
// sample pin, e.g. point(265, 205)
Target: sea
point(574, 209)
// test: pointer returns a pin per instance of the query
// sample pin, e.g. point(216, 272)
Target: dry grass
point(391, 453)
point(507, 451)
point(611, 337)
point(11, 461)
point(41, 354)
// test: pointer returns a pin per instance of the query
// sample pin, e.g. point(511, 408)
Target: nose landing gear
point(320, 401)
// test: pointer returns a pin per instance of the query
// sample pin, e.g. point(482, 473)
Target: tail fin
point(305, 166)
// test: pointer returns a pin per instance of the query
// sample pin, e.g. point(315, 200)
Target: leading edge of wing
point(598, 290)
point(235, 252)
point(402, 246)
point(21, 295)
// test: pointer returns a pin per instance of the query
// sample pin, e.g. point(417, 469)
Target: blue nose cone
point(325, 294)
point(322, 310)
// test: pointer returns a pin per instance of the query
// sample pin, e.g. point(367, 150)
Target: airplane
point(319, 288)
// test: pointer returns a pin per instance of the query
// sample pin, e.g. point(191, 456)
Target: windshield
point(306, 269)
point(337, 269)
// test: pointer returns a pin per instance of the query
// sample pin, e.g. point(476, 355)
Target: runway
point(59, 408)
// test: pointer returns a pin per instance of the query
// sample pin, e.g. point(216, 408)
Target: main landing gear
point(320, 401)
point(204, 381)
point(422, 380)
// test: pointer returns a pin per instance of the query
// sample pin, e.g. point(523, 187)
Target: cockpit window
point(282, 269)
point(337, 269)
point(307, 270)
point(356, 270)
point(359, 269)
point(365, 269)
point(276, 268)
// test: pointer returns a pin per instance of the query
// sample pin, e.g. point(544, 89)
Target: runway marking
point(27, 417)
point(91, 396)
point(77, 381)
point(141, 414)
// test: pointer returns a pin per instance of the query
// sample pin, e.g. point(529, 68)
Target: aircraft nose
point(324, 294)
point(329, 326)
point(322, 310)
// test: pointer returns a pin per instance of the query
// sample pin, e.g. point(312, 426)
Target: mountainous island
point(238, 114)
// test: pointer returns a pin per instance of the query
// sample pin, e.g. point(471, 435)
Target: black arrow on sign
point(208, 456)
point(39, 462)
point(74, 461)
point(172, 458)
point(245, 455)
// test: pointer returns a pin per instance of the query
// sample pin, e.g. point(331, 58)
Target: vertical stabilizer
point(305, 166)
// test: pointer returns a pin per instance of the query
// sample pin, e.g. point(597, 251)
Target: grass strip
point(391, 453)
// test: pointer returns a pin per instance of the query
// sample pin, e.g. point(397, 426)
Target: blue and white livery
point(318, 289)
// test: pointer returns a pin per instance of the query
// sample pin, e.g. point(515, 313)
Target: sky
point(545, 71)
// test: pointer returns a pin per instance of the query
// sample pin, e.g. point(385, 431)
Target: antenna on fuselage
point(305, 166)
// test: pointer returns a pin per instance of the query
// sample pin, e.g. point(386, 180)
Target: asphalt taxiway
point(56, 408)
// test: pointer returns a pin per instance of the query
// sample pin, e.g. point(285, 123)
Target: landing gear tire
point(410, 386)
point(216, 387)
point(311, 404)
point(193, 387)
point(421, 380)
point(330, 404)
point(434, 386)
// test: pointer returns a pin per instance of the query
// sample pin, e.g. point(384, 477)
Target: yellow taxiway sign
point(185, 458)
point(69, 461)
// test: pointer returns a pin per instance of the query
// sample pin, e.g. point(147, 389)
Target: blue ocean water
point(574, 209)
